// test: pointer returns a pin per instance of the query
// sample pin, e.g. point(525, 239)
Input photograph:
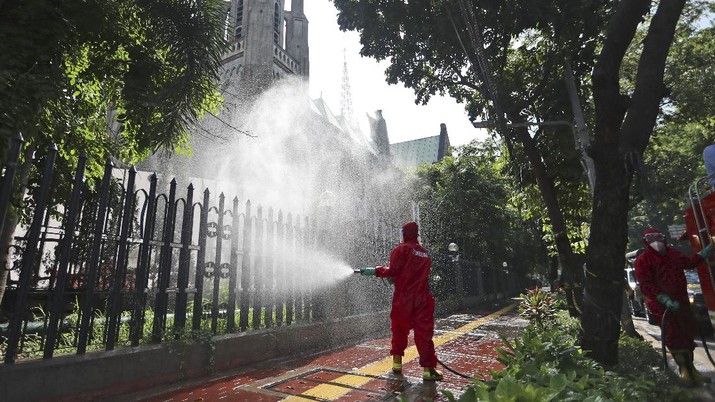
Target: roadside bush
point(546, 364)
point(540, 307)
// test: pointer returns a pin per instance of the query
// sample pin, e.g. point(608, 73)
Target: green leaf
point(558, 382)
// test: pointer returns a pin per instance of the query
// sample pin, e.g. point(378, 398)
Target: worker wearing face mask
point(662, 280)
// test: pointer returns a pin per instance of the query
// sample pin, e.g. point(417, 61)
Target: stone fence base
point(102, 375)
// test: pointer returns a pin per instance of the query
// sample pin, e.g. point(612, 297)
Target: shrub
point(546, 364)
point(539, 307)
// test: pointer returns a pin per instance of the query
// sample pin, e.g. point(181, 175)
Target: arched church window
point(277, 23)
point(239, 19)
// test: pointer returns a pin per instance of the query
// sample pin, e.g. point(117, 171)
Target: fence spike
point(93, 266)
point(120, 265)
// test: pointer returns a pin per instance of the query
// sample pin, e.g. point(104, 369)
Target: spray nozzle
point(361, 269)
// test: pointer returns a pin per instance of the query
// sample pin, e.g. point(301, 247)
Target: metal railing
point(126, 264)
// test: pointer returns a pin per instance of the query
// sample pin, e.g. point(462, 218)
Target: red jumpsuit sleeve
point(646, 277)
point(689, 261)
point(397, 262)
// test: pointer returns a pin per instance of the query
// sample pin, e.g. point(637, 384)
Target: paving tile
point(294, 386)
point(323, 376)
point(340, 375)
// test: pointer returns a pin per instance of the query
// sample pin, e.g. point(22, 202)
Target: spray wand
point(386, 281)
point(361, 269)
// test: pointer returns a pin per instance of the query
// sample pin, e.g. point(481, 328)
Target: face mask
point(659, 246)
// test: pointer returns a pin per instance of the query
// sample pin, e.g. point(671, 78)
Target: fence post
point(162, 296)
point(217, 269)
point(298, 262)
point(120, 268)
point(143, 268)
point(258, 271)
point(317, 297)
point(480, 279)
point(9, 178)
point(288, 273)
point(268, 278)
point(182, 281)
point(70, 221)
point(280, 269)
point(246, 269)
point(93, 265)
point(201, 263)
point(233, 273)
point(29, 256)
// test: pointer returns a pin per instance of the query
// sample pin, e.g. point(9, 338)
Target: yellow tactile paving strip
point(380, 367)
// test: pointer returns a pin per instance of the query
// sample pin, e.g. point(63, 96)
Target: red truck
point(699, 219)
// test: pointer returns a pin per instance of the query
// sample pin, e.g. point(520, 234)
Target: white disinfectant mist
point(280, 153)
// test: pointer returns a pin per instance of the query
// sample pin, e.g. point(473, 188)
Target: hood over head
point(410, 231)
point(649, 231)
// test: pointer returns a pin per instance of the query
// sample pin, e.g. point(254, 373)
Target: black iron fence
point(124, 264)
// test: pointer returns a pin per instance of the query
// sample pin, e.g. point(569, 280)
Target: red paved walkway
point(465, 342)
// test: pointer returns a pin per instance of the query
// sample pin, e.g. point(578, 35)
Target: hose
point(707, 351)
point(454, 371)
point(662, 342)
point(662, 339)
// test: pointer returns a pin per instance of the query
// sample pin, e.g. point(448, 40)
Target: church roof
point(321, 108)
point(413, 153)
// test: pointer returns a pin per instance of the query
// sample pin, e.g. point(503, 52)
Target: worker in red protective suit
point(412, 302)
point(662, 280)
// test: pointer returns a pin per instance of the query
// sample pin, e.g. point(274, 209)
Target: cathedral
point(266, 42)
point(270, 142)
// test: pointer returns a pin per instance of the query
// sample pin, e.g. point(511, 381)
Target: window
point(239, 19)
point(277, 24)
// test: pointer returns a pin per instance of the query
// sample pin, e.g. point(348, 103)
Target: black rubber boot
point(697, 376)
point(682, 358)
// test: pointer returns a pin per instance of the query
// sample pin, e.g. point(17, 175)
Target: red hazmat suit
point(412, 302)
point(663, 273)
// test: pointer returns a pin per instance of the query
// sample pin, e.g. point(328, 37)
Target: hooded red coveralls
point(664, 274)
point(412, 302)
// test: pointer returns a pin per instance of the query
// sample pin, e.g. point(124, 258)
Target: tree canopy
point(507, 62)
point(466, 199)
point(112, 79)
point(673, 159)
point(108, 78)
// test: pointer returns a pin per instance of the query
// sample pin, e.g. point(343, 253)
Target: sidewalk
point(465, 342)
point(651, 333)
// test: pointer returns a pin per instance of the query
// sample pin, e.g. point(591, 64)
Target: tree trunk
point(605, 260)
point(620, 140)
point(561, 238)
point(12, 218)
point(6, 242)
